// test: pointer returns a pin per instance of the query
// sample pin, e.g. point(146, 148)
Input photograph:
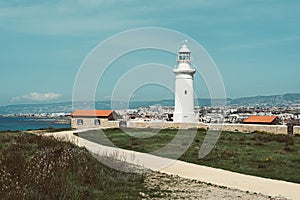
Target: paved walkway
point(202, 173)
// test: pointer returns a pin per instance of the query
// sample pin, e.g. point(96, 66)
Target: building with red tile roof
point(92, 113)
point(93, 118)
point(271, 120)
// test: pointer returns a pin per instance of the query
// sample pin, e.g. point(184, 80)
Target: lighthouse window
point(184, 56)
point(185, 92)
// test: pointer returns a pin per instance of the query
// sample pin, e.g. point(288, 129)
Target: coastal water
point(26, 123)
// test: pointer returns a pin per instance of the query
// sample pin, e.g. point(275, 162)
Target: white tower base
point(185, 117)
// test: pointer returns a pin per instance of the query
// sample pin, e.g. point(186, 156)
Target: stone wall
point(161, 125)
point(111, 124)
point(182, 125)
point(248, 128)
point(297, 130)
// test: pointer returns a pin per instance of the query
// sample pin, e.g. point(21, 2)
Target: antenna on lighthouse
point(184, 41)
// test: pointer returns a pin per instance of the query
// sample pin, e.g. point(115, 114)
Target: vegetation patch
point(36, 167)
point(260, 154)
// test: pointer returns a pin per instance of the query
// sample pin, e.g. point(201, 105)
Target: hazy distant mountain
point(286, 100)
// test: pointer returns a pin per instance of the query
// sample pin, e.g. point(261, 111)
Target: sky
point(255, 44)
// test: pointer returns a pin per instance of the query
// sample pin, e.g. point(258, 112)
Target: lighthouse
point(184, 87)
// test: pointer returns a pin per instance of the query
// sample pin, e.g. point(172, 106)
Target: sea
point(31, 123)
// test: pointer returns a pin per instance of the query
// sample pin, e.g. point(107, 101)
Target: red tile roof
point(91, 113)
point(260, 119)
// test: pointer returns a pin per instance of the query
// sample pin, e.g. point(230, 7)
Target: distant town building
point(184, 88)
point(270, 120)
point(93, 118)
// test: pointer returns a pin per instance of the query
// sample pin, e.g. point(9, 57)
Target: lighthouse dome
point(184, 49)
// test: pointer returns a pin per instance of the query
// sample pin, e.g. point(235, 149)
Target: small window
point(185, 92)
point(97, 121)
point(184, 56)
point(79, 121)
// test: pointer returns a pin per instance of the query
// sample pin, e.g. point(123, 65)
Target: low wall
point(297, 130)
point(183, 125)
point(248, 128)
point(161, 125)
point(110, 124)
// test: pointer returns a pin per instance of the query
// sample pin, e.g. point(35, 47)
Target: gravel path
point(163, 186)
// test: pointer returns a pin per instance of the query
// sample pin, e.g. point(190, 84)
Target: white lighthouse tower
point(184, 88)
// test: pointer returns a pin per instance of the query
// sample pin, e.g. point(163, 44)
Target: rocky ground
point(163, 186)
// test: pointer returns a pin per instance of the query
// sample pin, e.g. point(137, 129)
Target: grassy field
point(35, 167)
point(259, 154)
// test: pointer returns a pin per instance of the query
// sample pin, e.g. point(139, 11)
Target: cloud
point(36, 97)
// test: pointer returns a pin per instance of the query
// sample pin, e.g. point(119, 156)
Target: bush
point(202, 129)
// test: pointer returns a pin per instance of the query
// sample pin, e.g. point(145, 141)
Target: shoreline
point(33, 123)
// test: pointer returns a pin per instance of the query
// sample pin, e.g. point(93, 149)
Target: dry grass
point(36, 167)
